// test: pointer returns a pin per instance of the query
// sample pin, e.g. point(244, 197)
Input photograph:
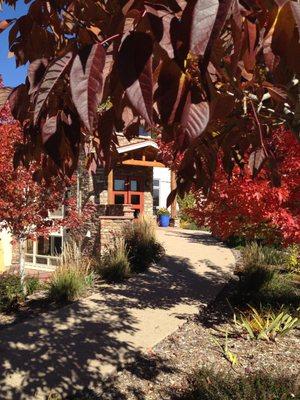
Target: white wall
point(164, 177)
point(6, 247)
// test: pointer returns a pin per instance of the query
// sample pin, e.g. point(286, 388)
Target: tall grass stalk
point(72, 277)
point(114, 265)
point(143, 247)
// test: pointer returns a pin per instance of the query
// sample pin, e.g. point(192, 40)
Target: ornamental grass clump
point(141, 242)
point(72, 277)
point(257, 255)
point(114, 265)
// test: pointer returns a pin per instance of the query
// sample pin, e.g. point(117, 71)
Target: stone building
point(138, 184)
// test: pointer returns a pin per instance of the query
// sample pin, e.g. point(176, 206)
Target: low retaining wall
point(110, 227)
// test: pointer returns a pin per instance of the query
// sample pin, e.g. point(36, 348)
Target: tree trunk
point(22, 262)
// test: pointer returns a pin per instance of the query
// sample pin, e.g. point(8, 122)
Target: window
point(134, 185)
point(43, 246)
point(44, 252)
point(49, 246)
point(156, 185)
point(29, 246)
point(119, 185)
point(135, 199)
point(58, 213)
point(119, 199)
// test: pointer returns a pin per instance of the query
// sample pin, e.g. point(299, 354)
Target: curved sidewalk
point(78, 345)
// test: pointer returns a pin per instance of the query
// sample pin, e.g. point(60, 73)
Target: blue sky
point(12, 76)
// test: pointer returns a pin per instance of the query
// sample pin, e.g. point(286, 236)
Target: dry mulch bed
point(166, 372)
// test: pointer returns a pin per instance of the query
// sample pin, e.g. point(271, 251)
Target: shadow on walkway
point(67, 349)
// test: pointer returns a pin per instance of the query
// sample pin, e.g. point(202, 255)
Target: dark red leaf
point(86, 79)
point(203, 20)
point(36, 71)
point(49, 128)
point(53, 73)
point(221, 17)
point(135, 68)
point(164, 26)
point(256, 161)
point(195, 117)
point(19, 102)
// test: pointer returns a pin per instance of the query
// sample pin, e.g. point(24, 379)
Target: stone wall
point(111, 227)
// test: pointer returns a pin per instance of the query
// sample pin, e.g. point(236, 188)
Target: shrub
point(11, 292)
point(254, 254)
point(185, 204)
point(262, 283)
point(163, 211)
point(32, 284)
point(114, 265)
point(72, 278)
point(252, 208)
point(209, 385)
point(292, 259)
point(254, 277)
point(265, 324)
point(190, 225)
point(143, 247)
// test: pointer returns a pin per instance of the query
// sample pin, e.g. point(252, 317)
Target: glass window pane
point(29, 246)
point(29, 259)
point(156, 182)
point(135, 199)
point(134, 185)
point(119, 199)
point(54, 261)
point(41, 260)
point(119, 184)
point(43, 246)
point(156, 197)
point(57, 245)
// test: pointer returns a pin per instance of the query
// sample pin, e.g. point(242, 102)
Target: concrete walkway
point(76, 346)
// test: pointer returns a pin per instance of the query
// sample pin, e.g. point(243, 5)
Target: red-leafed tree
point(252, 208)
point(24, 203)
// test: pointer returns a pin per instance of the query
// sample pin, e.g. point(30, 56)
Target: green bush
point(11, 292)
point(257, 255)
point(186, 203)
point(191, 226)
point(32, 284)
point(262, 282)
point(114, 266)
point(208, 385)
point(255, 277)
point(292, 259)
point(143, 247)
point(163, 211)
point(72, 278)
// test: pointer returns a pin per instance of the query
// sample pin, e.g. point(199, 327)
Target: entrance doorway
point(128, 190)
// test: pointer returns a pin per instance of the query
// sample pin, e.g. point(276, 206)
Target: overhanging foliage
point(205, 74)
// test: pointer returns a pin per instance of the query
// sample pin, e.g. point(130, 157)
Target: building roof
point(136, 146)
